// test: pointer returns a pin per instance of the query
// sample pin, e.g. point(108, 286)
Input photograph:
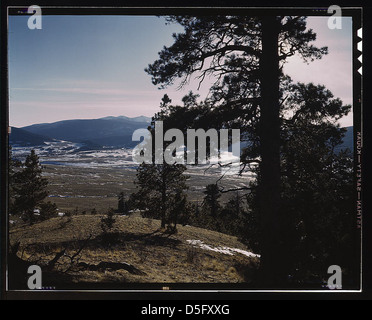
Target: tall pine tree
point(30, 188)
point(246, 55)
point(159, 186)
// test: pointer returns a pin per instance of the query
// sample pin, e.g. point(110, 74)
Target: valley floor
point(86, 180)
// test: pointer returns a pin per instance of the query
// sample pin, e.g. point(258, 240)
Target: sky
point(88, 67)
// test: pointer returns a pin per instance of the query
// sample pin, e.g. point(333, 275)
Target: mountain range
point(93, 133)
point(111, 132)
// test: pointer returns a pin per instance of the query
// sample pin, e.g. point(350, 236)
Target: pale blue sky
point(85, 67)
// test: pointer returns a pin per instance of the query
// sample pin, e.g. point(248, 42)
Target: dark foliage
point(311, 225)
point(161, 192)
point(123, 205)
point(107, 224)
point(28, 187)
point(245, 55)
point(48, 210)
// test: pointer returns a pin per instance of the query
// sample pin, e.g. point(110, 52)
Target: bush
point(48, 210)
point(108, 221)
point(107, 224)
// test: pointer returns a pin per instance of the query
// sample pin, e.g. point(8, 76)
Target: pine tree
point(48, 210)
point(246, 55)
point(179, 212)
point(316, 187)
point(14, 166)
point(234, 215)
point(122, 204)
point(107, 225)
point(158, 185)
point(212, 194)
point(30, 188)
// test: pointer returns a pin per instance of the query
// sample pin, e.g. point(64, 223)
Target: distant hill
point(135, 119)
point(98, 133)
point(25, 138)
point(109, 131)
point(348, 140)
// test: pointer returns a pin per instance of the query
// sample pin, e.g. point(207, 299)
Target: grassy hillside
point(154, 256)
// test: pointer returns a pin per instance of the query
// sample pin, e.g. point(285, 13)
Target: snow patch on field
point(221, 249)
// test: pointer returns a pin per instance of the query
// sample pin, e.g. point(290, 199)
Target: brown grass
point(164, 258)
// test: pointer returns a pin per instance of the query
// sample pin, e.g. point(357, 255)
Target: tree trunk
point(269, 189)
point(31, 217)
point(163, 203)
